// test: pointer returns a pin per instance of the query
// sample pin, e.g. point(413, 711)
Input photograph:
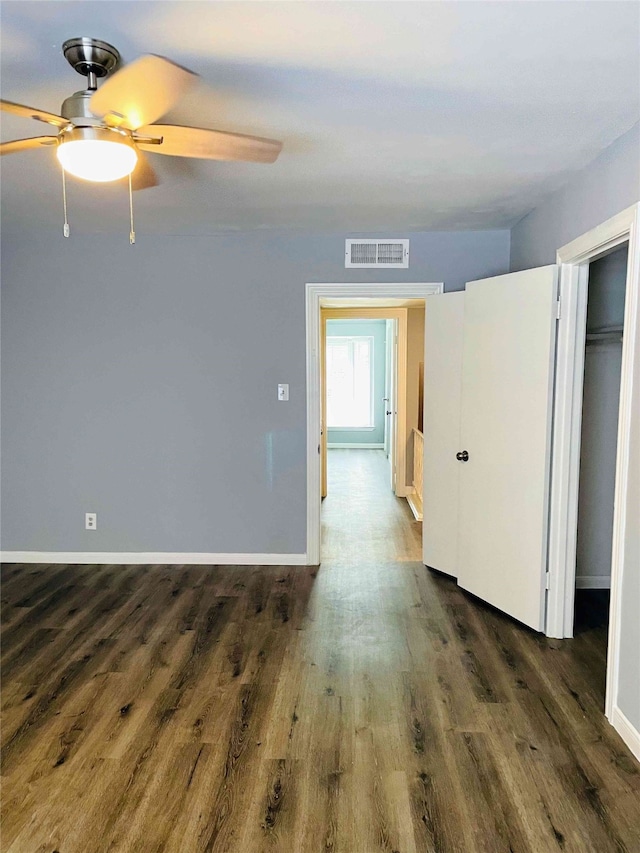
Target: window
point(350, 382)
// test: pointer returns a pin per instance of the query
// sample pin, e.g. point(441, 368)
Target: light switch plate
point(283, 392)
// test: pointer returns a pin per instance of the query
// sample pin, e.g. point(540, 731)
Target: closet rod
point(604, 330)
point(604, 337)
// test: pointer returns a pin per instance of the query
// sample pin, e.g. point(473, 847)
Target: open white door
point(443, 337)
point(507, 398)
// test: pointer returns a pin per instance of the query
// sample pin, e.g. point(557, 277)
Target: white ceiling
point(395, 116)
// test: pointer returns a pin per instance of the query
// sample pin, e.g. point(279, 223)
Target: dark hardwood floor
point(366, 706)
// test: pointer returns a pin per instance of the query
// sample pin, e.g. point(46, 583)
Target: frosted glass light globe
point(97, 154)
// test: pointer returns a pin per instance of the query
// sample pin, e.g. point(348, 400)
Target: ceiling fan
point(101, 132)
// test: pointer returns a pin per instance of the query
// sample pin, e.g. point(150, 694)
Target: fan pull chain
point(65, 229)
point(132, 233)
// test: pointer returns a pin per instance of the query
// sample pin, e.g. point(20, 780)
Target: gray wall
point(377, 329)
point(605, 187)
point(139, 382)
point(601, 401)
point(608, 185)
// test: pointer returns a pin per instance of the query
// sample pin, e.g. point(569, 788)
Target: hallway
point(362, 519)
point(368, 705)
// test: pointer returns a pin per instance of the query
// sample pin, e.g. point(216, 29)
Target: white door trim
point(565, 453)
point(568, 400)
point(314, 293)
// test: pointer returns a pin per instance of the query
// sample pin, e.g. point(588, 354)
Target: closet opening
point(607, 278)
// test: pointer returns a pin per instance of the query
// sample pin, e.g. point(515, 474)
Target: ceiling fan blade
point(141, 92)
point(209, 144)
point(32, 112)
point(25, 144)
point(144, 175)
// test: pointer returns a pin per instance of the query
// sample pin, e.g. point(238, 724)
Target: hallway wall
point(415, 356)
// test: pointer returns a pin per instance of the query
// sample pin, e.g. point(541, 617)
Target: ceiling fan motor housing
point(77, 107)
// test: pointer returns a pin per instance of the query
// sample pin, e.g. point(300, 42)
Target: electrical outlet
point(90, 521)
point(283, 393)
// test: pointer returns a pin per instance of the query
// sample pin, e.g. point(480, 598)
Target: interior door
point(443, 337)
point(387, 384)
point(391, 412)
point(505, 440)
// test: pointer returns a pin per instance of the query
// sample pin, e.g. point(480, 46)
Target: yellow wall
point(415, 355)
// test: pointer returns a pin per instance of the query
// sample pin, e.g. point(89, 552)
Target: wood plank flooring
point(365, 706)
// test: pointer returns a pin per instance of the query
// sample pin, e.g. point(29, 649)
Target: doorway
point(622, 643)
point(365, 348)
point(334, 295)
point(600, 404)
point(604, 330)
point(370, 396)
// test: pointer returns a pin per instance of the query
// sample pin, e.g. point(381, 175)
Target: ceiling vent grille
point(392, 254)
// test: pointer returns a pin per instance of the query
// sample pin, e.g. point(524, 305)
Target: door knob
point(463, 456)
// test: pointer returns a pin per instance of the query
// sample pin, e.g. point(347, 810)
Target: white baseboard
point(593, 581)
point(354, 445)
point(415, 504)
point(145, 558)
point(629, 734)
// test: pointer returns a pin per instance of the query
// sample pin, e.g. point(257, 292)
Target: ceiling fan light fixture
point(97, 153)
point(100, 131)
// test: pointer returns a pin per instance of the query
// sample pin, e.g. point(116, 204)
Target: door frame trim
point(314, 293)
point(574, 259)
